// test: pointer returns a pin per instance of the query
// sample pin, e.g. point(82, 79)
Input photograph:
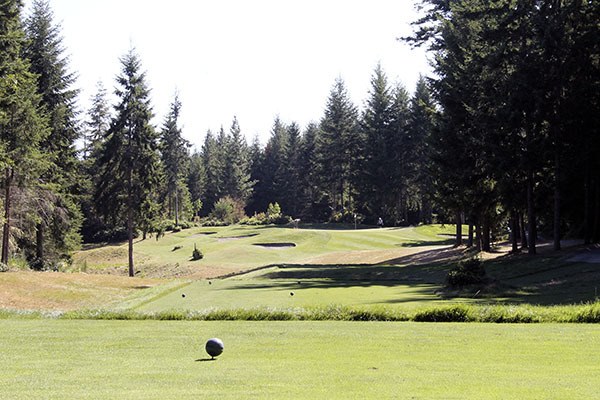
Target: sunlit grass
point(297, 360)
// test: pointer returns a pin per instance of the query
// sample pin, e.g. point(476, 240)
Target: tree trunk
point(458, 216)
point(523, 233)
point(485, 238)
point(531, 219)
point(176, 207)
point(470, 241)
point(587, 221)
point(556, 201)
point(130, 239)
point(596, 227)
point(478, 236)
point(39, 243)
point(514, 231)
point(130, 224)
point(6, 227)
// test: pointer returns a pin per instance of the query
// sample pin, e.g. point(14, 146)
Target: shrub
point(3, 267)
point(228, 210)
point(467, 272)
point(197, 254)
point(443, 314)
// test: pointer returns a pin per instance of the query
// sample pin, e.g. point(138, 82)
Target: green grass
point(230, 249)
point(58, 359)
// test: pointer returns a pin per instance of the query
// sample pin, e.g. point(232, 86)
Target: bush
point(4, 267)
point(467, 272)
point(273, 215)
point(443, 314)
point(197, 254)
point(228, 210)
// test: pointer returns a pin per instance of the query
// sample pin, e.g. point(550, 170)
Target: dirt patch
point(275, 245)
point(50, 291)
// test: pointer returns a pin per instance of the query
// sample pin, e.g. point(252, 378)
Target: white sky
point(254, 59)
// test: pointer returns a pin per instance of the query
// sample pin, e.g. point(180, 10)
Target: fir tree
point(339, 147)
point(60, 214)
point(129, 169)
point(174, 152)
point(237, 183)
point(23, 126)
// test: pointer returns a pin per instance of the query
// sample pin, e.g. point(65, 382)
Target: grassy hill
point(282, 268)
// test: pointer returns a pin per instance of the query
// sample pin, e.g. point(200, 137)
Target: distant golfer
point(380, 222)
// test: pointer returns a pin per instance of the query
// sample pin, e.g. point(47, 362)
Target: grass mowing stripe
point(299, 360)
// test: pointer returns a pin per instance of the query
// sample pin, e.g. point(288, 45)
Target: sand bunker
point(275, 245)
point(227, 238)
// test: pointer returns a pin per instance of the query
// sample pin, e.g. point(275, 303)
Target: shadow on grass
point(422, 243)
point(205, 359)
point(546, 279)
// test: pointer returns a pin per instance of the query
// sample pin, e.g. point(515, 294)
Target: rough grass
point(58, 359)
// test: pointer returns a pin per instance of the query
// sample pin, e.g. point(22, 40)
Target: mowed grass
point(233, 249)
point(59, 359)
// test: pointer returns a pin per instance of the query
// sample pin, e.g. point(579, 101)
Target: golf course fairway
point(60, 359)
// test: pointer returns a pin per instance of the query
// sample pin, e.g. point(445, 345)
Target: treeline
point(517, 138)
point(351, 165)
point(504, 138)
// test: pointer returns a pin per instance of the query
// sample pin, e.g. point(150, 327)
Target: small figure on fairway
point(380, 222)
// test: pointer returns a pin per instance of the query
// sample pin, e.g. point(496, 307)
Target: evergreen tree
point(213, 166)
point(23, 126)
point(307, 166)
point(97, 123)
point(270, 171)
point(95, 128)
point(129, 169)
point(339, 148)
point(289, 172)
point(60, 214)
point(174, 153)
point(420, 124)
point(379, 159)
point(237, 182)
point(196, 182)
point(256, 156)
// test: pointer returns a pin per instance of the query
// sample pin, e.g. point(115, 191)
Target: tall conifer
point(129, 171)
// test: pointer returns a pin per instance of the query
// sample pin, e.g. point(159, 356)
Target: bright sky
point(254, 59)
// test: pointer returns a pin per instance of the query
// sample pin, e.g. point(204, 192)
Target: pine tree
point(129, 168)
point(378, 159)
point(270, 178)
point(289, 173)
point(97, 123)
point(237, 182)
point(212, 169)
point(339, 148)
point(256, 156)
point(196, 182)
point(308, 180)
point(174, 153)
point(23, 126)
point(60, 214)
point(95, 127)
point(420, 126)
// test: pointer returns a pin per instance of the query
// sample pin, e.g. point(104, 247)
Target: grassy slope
point(332, 266)
point(231, 249)
point(164, 360)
